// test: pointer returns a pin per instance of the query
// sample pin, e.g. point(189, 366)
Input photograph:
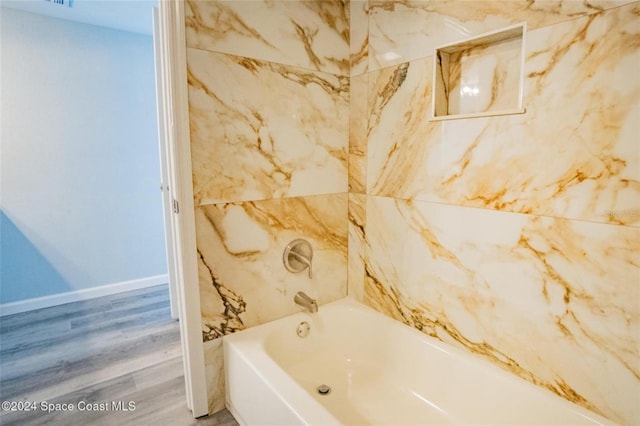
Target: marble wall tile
point(308, 34)
point(358, 122)
point(359, 36)
point(242, 278)
point(400, 136)
point(574, 153)
point(261, 130)
point(357, 254)
point(554, 301)
point(402, 31)
point(214, 371)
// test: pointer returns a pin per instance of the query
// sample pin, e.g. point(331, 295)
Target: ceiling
point(125, 15)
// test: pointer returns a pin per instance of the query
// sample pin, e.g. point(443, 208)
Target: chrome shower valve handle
point(297, 256)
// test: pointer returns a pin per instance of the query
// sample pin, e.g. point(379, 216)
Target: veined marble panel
point(400, 135)
point(260, 130)
point(214, 371)
point(307, 34)
point(555, 301)
point(358, 122)
point(243, 281)
point(574, 153)
point(402, 31)
point(357, 254)
point(359, 36)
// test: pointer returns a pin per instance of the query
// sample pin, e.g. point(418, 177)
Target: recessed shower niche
point(480, 76)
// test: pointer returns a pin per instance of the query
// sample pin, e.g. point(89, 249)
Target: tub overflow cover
point(303, 329)
point(323, 389)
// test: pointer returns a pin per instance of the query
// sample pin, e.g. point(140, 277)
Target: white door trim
point(165, 167)
point(172, 33)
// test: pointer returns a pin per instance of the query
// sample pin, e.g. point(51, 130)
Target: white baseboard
point(78, 295)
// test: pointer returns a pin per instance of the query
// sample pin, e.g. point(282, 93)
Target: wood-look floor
point(113, 350)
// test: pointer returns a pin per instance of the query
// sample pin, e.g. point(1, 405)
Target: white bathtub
point(380, 371)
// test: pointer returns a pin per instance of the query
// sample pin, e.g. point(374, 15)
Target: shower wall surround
point(282, 131)
point(516, 238)
point(269, 119)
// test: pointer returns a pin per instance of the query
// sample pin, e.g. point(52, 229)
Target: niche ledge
point(481, 76)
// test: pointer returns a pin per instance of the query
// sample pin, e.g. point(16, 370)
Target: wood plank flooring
point(110, 350)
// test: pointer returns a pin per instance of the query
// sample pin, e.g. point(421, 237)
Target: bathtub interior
point(385, 373)
point(349, 360)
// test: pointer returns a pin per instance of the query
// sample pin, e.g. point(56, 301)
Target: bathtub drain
point(323, 389)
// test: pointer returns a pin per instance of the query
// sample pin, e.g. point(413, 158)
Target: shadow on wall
point(22, 265)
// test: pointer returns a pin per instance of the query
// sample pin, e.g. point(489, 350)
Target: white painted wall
point(79, 157)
